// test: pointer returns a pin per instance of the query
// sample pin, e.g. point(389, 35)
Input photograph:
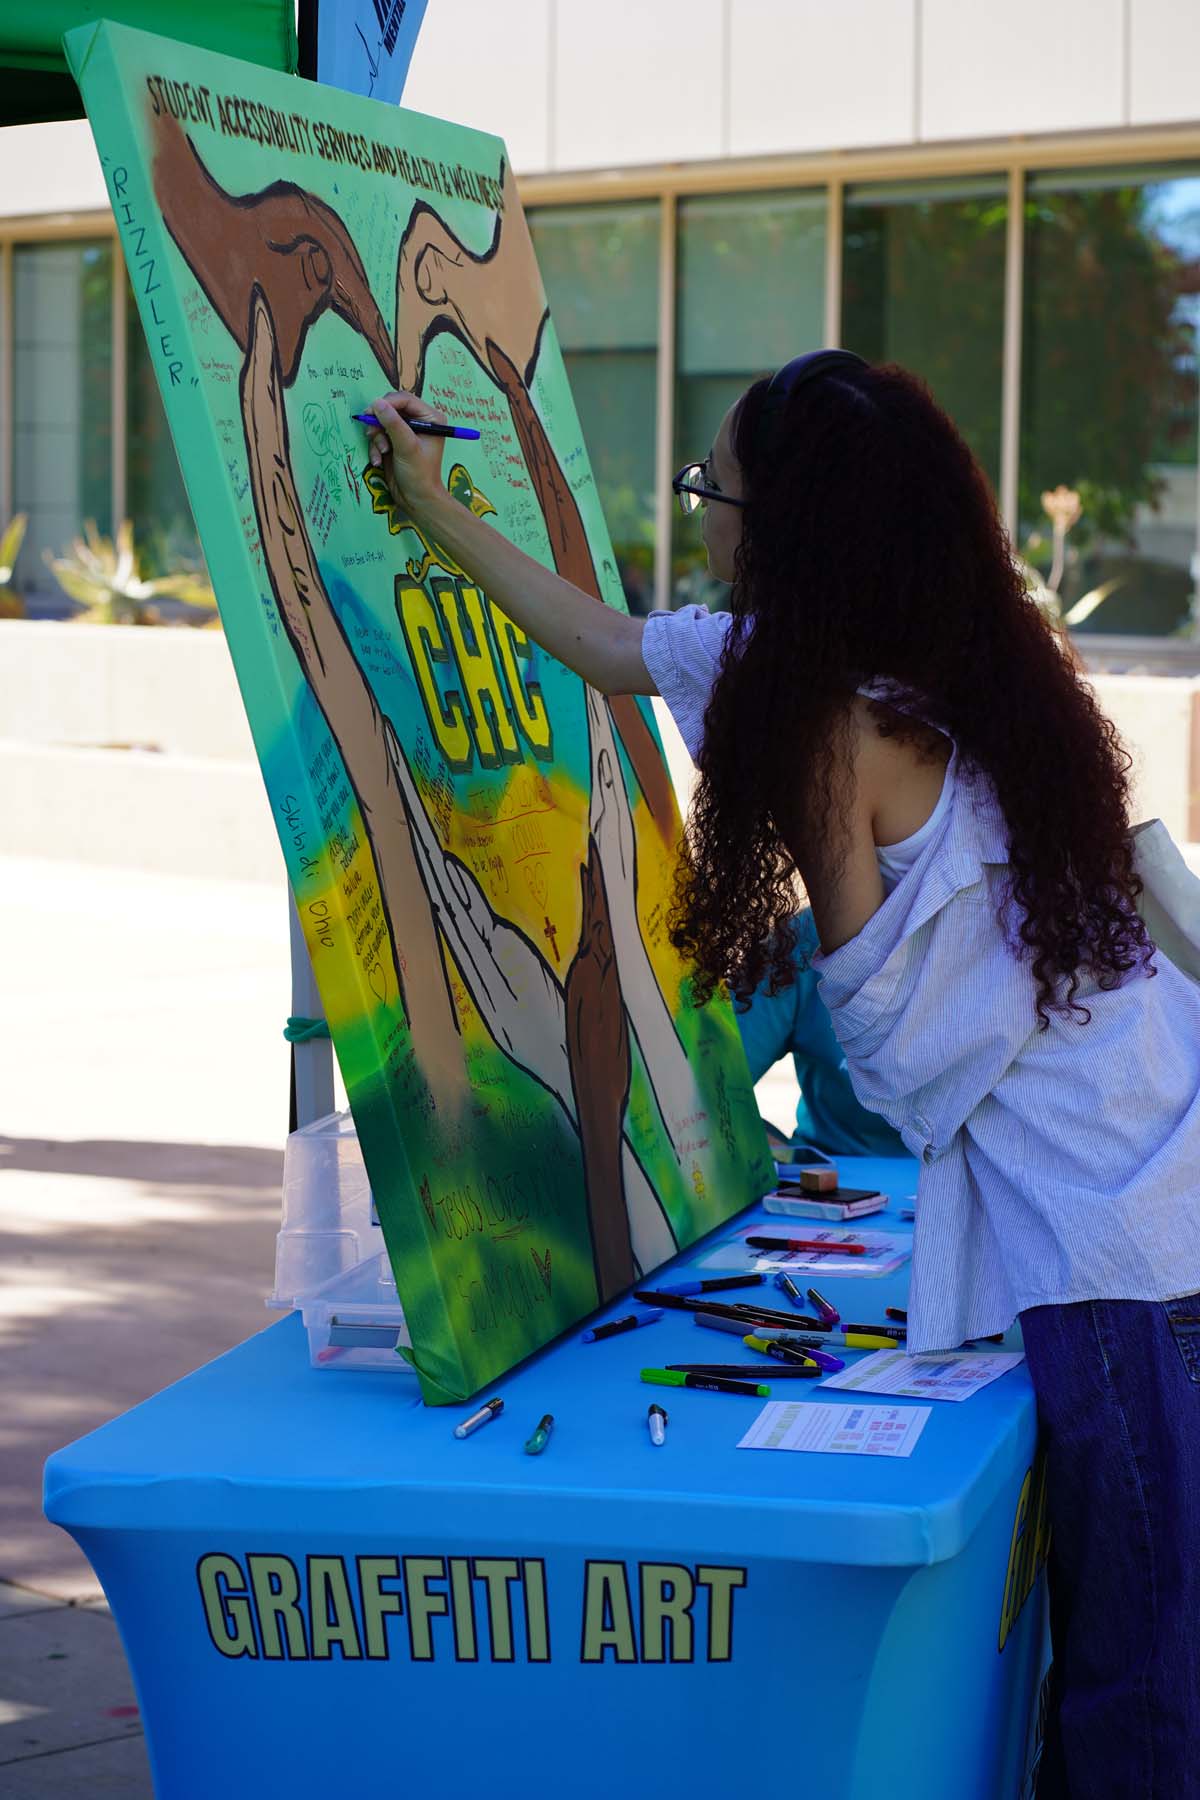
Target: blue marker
point(715, 1284)
point(616, 1326)
point(787, 1286)
point(423, 427)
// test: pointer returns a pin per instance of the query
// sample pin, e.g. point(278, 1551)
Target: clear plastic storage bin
point(330, 1260)
point(355, 1320)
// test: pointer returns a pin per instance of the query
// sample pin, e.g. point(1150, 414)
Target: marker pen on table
point(541, 1436)
point(722, 1322)
point(616, 1326)
point(751, 1371)
point(860, 1339)
point(897, 1333)
point(422, 427)
point(785, 1350)
point(656, 1421)
point(741, 1310)
point(811, 1245)
point(785, 1353)
point(490, 1410)
point(825, 1309)
point(787, 1286)
point(770, 1327)
point(715, 1384)
point(713, 1285)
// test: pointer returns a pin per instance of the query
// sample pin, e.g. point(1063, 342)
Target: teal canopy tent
point(35, 84)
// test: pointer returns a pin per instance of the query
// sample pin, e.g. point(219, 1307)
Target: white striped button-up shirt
point(1057, 1165)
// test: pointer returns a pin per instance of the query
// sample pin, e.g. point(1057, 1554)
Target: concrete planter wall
point(187, 798)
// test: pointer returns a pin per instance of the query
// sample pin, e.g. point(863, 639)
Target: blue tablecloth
point(606, 1618)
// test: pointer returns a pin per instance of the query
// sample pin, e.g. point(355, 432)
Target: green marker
point(541, 1437)
point(716, 1384)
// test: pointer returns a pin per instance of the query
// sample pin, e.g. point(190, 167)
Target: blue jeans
point(1118, 1389)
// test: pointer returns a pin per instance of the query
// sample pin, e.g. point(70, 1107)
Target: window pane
point(751, 295)
point(1109, 389)
point(600, 269)
point(923, 286)
point(156, 500)
point(62, 403)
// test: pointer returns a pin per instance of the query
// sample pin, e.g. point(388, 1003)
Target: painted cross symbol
point(551, 934)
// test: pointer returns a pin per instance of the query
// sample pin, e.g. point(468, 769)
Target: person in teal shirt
point(829, 1118)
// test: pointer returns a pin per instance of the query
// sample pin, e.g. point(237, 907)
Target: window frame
point(1128, 149)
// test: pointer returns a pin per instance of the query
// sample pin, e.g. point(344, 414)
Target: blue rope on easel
point(304, 1031)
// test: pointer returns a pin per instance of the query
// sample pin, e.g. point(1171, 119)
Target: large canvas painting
point(480, 846)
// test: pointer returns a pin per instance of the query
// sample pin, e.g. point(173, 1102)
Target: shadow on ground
point(123, 1266)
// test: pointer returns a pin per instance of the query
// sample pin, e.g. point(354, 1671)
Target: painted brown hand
point(511, 984)
point(284, 241)
point(443, 286)
point(598, 1048)
point(495, 305)
point(573, 561)
point(524, 1007)
point(348, 704)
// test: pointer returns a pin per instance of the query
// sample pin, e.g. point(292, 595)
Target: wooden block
point(819, 1181)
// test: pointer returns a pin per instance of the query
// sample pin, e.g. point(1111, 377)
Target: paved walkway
point(142, 1117)
point(143, 1113)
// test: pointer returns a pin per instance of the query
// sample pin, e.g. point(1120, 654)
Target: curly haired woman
point(885, 715)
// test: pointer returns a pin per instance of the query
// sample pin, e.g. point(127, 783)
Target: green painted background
point(484, 1206)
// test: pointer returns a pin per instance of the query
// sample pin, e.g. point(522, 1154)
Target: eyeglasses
point(693, 486)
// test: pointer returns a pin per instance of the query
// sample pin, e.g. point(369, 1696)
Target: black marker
point(715, 1384)
point(725, 1309)
point(794, 1371)
point(616, 1326)
point(717, 1284)
point(827, 1310)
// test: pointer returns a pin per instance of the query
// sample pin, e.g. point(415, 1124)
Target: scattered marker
point(487, 1412)
point(615, 1327)
point(541, 1437)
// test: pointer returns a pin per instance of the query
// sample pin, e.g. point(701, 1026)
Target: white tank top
point(895, 860)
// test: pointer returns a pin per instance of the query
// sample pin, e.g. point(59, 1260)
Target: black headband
point(794, 374)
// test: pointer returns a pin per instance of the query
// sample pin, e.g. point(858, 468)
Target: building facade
point(1001, 195)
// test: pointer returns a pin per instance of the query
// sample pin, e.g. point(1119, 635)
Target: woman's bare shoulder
point(900, 764)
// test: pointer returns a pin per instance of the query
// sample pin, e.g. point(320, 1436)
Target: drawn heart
point(539, 887)
point(542, 1266)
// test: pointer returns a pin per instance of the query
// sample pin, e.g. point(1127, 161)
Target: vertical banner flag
point(365, 46)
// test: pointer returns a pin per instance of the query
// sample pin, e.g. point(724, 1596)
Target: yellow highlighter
point(783, 1352)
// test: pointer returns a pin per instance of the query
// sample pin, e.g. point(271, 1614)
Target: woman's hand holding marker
point(412, 465)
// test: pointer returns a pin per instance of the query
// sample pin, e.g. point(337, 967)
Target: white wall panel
point(1164, 61)
point(808, 75)
point(988, 69)
point(489, 68)
point(638, 81)
point(50, 169)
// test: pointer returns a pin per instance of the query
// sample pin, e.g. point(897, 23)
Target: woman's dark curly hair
point(872, 551)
